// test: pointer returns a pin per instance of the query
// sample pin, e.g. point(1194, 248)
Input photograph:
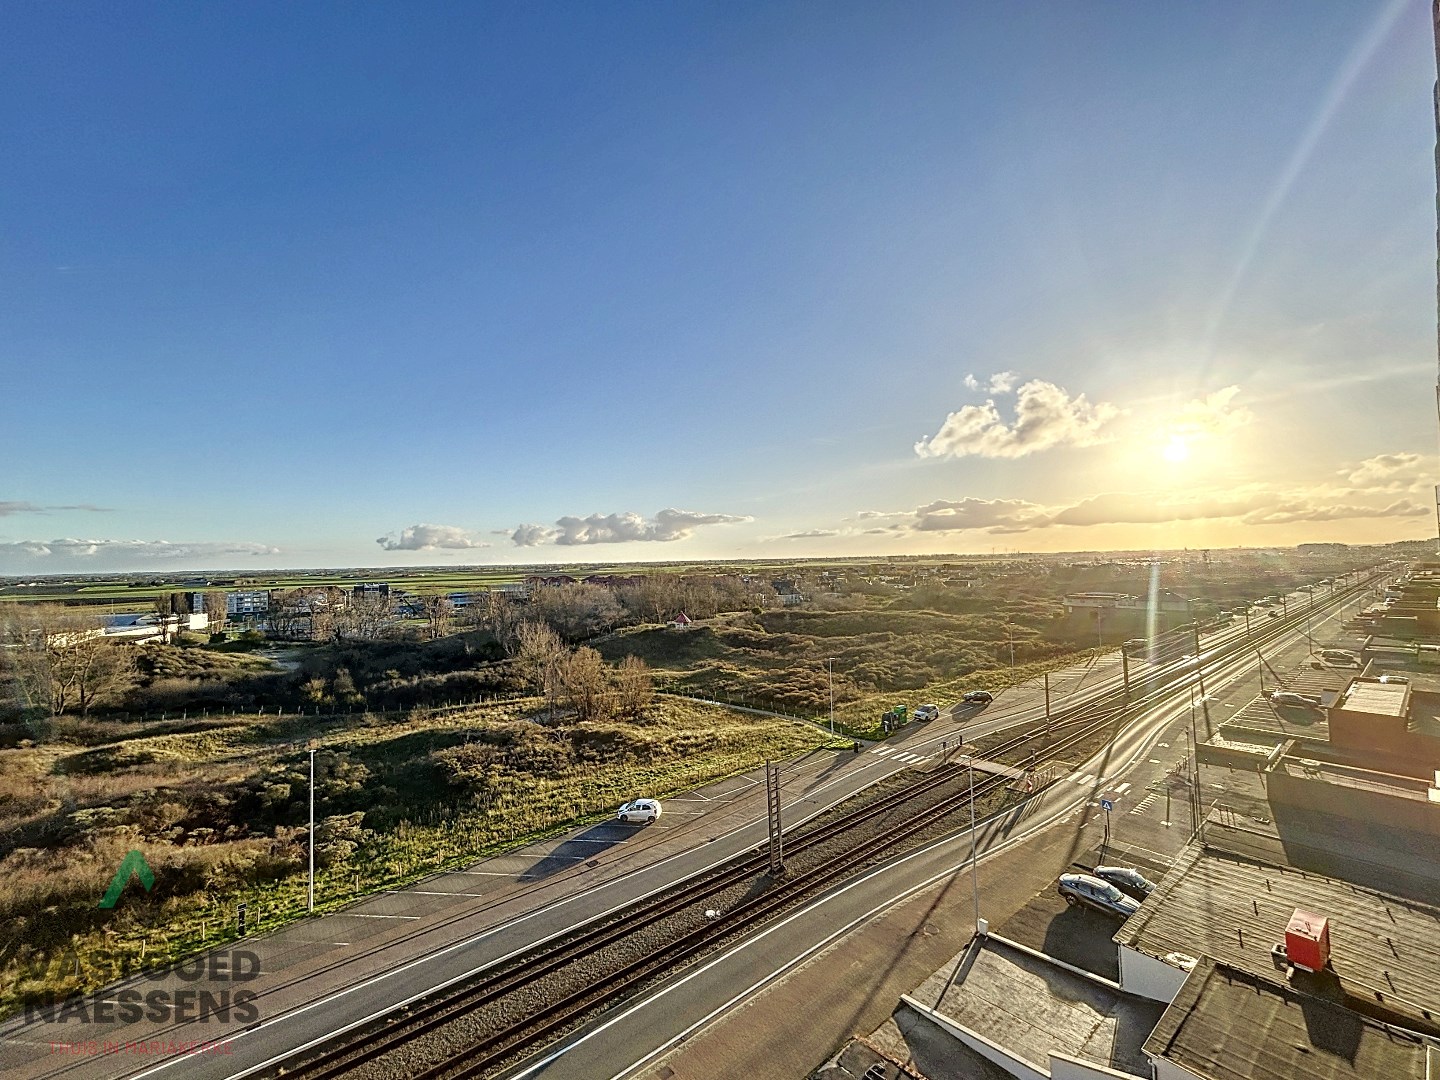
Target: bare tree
point(585, 682)
point(634, 688)
point(288, 613)
point(577, 612)
point(539, 654)
point(59, 657)
point(498, 614)
point(215, 611)
point(372, 615)
point(166, 606)
point(438, 612)
point(99, 666)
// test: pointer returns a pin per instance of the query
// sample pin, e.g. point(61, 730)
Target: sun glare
point(1177, 449)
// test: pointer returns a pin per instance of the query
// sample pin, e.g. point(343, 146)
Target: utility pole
point(1047, 701)
point(1200, 671)
point(830, 669)
point(772, 803)
point(1124, 672)
point(974, 851)
point(310, 903)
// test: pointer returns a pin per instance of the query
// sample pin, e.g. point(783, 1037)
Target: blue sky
point(311, 284)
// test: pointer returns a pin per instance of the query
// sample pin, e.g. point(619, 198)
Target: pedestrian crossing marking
point(1145, 803)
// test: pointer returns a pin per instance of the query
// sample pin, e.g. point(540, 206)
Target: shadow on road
point(584, 847)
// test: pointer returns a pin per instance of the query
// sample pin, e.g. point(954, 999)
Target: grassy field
point(218, 810)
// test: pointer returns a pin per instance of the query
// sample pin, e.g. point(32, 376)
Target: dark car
point(1127, 879)
point(978, 697)
point(1094, 893)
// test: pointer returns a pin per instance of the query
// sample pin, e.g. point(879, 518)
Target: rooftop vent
point(1307, 941)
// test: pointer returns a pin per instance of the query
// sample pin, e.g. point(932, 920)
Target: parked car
point(639, 811)
point(1289, 697)
point(927, 712)
point(978, 697)
point(1127, 879)
point(1394, 679)
point(1094, 893)
point(1340, 656)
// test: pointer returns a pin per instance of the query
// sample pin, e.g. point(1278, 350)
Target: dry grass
point(217, 812)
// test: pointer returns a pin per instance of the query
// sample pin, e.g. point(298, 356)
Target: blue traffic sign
point(1106, 804)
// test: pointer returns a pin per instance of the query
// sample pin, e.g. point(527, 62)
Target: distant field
point(140, 590)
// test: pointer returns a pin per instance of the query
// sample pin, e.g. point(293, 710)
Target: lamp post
point(310, 904)
point(974, 851)
point(830, 672)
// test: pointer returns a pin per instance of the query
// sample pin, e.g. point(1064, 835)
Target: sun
point(1177, 449)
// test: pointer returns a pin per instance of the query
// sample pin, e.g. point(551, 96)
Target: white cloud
point(1287, 512)
point(810, 534)
point(69, 552)
point(1391, 472)
point(1046, 416)
point(992, 515)
point(9, 508)
point(669, 524)
point(1252, 506)
point(428, 538)
point(1002, 382)
point(1211, 415)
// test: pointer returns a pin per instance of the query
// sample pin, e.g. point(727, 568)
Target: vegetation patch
point(395, 799)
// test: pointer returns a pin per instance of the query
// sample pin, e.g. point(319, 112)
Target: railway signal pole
point(772, 802)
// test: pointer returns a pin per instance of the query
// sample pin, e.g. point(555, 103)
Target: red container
point(1307, 940)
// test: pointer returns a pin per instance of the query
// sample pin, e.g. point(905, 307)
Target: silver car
point(639, 811)
point(1127, 879)
point(1094, 893)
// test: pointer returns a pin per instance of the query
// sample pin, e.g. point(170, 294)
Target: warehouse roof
point(1227, 1024)
point(1385, 952)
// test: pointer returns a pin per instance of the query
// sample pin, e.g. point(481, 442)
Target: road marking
point(1122, 789)
point(424, 892)
point(532, 855)
point(1086, 779)
point(1145, 803)
point(362, 915)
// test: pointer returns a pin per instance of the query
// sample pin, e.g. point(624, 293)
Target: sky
point(313, 284)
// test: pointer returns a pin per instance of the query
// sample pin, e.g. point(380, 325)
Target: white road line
point(427, 892)
point(362, 915)
point(1122, 789)
point(527, 855)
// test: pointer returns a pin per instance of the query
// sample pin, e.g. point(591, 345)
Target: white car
point(927, 712)
point(638, 811)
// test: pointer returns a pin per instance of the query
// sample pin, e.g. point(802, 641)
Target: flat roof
point(1033, 1006)
point(1377, 698)
point(1226, 1024)
point(1384, 951)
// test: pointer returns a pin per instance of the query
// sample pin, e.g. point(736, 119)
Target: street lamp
point(830, 670)
point(310, 905)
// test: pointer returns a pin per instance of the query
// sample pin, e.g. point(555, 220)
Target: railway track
point(509, 1039)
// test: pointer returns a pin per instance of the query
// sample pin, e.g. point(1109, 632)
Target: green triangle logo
point(133, 865)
